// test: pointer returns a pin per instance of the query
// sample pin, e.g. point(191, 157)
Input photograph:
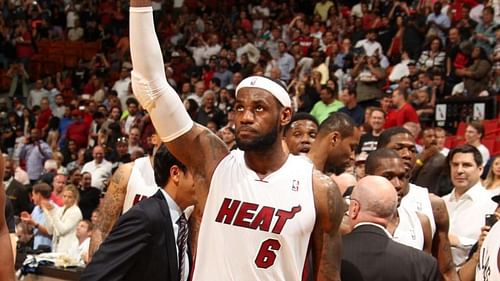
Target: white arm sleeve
point(149, 82)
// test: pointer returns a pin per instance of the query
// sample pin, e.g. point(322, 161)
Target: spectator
point(42, 121)
point(433, 56)
point(62, 221)
point(122, 85)
point(492, 181)
point(440, 140)
point(403, 113)
point(133, 118)
point(484, 34)
point(58, 183)
point(37, 220)
point(351, 107)
point(99, 168)
point(59, 107)
point(19, 81)
point(370, 46)
point(286, 62)
point(473, 135)
point(121, 151)
point(83, 234)
point(369, 140)
point(78, 131)
point(34, 152)
point(328, 104)
point(89, 196)
point(15, 191)
point(438, 23)
point(134, 140)
point(369, 77)
point(209, 112)
point(476, 76)
point(468, 202)
point(37, 94)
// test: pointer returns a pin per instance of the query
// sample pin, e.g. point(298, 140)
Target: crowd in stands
point(69, 118)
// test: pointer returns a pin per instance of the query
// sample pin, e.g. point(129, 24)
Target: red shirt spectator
point(403, 113)
point(78, 131)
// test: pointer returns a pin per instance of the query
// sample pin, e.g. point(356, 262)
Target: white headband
point(268, 85)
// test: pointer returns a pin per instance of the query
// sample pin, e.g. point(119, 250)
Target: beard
point(260, 143)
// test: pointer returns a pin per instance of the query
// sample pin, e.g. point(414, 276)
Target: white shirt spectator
point(100, 172)
point(286, 64)
point(485, 153)
point(370, 47)
point(36, 96)
point(121, 87)
point(467, 217)
point(476, 13)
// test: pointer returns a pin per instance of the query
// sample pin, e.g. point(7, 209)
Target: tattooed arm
point(326, 235)
point(441, 249)
point(6, 258)
point(111, 207)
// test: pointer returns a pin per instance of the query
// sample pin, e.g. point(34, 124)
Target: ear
point(285, 116)
point(353, 210)
point(335, 138)
point(175, 173)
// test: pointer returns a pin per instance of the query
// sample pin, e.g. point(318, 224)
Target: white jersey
point(255, 229)
point(409, 231)
point(141, 183)
point(418, 200)
point(488, 267)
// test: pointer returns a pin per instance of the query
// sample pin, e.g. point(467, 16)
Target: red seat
point(461, 129)
point(448, 141)
point(490, 144)
point(496, 149)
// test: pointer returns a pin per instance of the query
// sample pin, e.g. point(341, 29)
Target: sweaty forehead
point(255, 95)
point(402, 139)
point(390, 165)
point(303, 124)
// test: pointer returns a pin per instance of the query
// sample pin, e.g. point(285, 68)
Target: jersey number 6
point(266, 256)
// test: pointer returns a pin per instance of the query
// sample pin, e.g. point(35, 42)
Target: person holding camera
point(34, 152)
point(369, 77)
point(468, 202)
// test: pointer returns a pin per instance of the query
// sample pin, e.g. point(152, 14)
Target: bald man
point(369, 252)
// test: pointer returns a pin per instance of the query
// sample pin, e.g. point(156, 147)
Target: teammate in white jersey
point(407, 226)
point(131, 183)
point(402, 141)
point(243, 195)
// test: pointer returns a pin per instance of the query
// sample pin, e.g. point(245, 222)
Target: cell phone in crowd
point(490, 219)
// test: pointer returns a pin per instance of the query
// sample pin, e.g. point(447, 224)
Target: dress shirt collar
point(175, 211)
point(376, 225)
point(7, 183)
point(472, 194)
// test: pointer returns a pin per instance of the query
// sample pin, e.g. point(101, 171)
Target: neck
point(267, 161)
point(376, 132)
point(459, 191)
point(318, 156)
point(401, 105)
point(171, 190)
point(81, 240)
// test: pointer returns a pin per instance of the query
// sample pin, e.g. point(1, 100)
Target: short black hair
point(163, 161)
point(385, 138)
point(132, 101)
point(466, 148)
point(301, 116)
point(216, 81)
point(373, 160)
point(340, 122)
point(44, 189)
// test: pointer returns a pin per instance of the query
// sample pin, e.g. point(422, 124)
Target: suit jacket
point(141, 246)
point(18, 195)
point(370, 255)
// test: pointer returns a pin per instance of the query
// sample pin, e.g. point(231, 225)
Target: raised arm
point(326, 235)
point(193, 145)
point(441, 248)
point(6, 258)
point(111, 207)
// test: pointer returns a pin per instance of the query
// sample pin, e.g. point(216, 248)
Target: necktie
point(182, 245)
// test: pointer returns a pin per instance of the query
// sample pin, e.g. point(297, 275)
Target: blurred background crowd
point(69, 118)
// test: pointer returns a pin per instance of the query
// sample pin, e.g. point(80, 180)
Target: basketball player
point(300, 133)
point(261, 206)
point(419, 199)
point(131, 183)
point(408, 226)
point(6, 258)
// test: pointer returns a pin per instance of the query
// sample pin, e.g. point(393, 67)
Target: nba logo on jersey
point(295, 185)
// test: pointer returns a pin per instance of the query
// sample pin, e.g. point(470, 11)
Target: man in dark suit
point(369, 253)
point(16, 192)
point(149, 241)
